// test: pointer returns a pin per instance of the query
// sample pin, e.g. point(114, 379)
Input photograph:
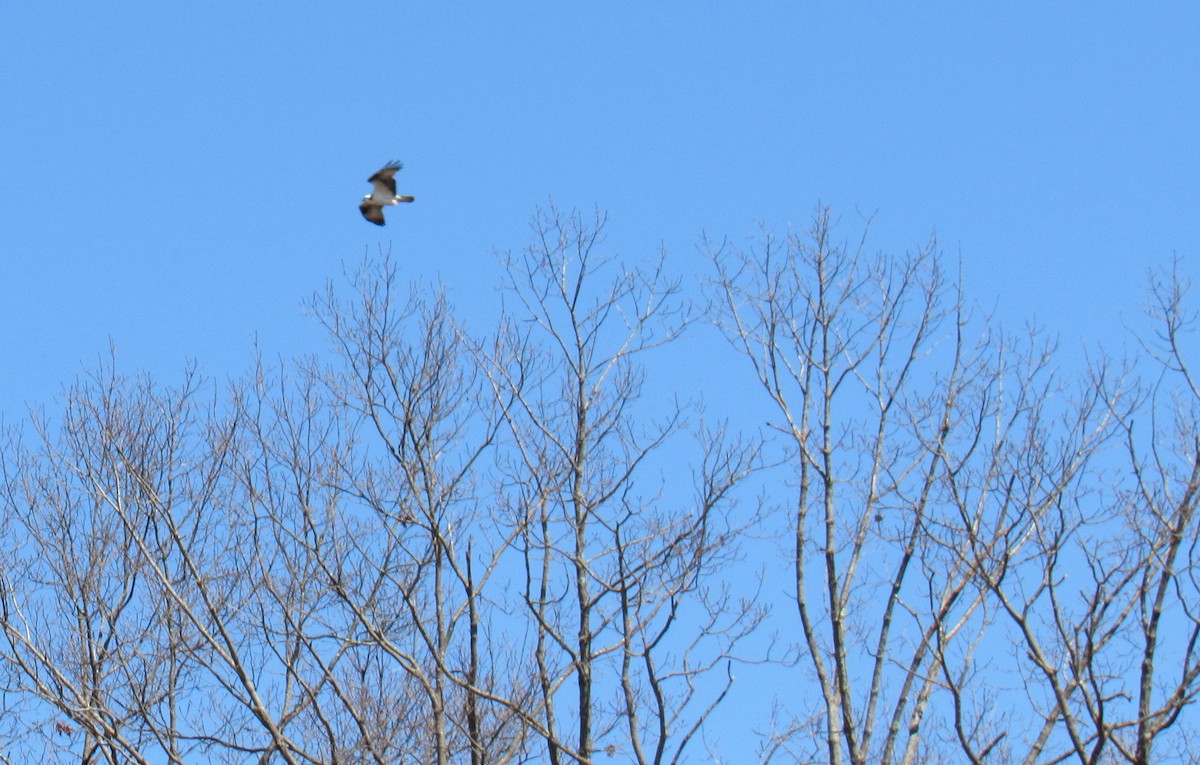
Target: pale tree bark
point(286, 578)
point(1103, 604)
point(439, 547)
point(317, 563)
point(123, 603)
point(609, 561)
point(73, 591)
point(899, 419)
point(392, 437)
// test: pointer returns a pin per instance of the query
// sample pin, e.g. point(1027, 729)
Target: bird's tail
point(405, 199)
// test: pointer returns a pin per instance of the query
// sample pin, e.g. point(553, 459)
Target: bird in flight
point(384, 193)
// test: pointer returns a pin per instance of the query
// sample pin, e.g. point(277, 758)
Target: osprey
point(383, 194)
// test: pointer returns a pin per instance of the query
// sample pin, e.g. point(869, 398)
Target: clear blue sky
point(177, 177)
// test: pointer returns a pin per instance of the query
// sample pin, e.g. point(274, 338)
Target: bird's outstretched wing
point(385, 179)
point(373, 213)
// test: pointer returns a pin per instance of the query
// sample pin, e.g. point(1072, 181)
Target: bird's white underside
point(381, 199)
point(371, 199)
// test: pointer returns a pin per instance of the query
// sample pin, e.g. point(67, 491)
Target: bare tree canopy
point(438, 545)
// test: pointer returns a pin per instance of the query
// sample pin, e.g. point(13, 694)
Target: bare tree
point(79, 644)
point(440, 546)
point(411, 577)
point(126, 584)
point(319, 567)
point(630, 636)
point(916, 454)
point(1103, 601)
